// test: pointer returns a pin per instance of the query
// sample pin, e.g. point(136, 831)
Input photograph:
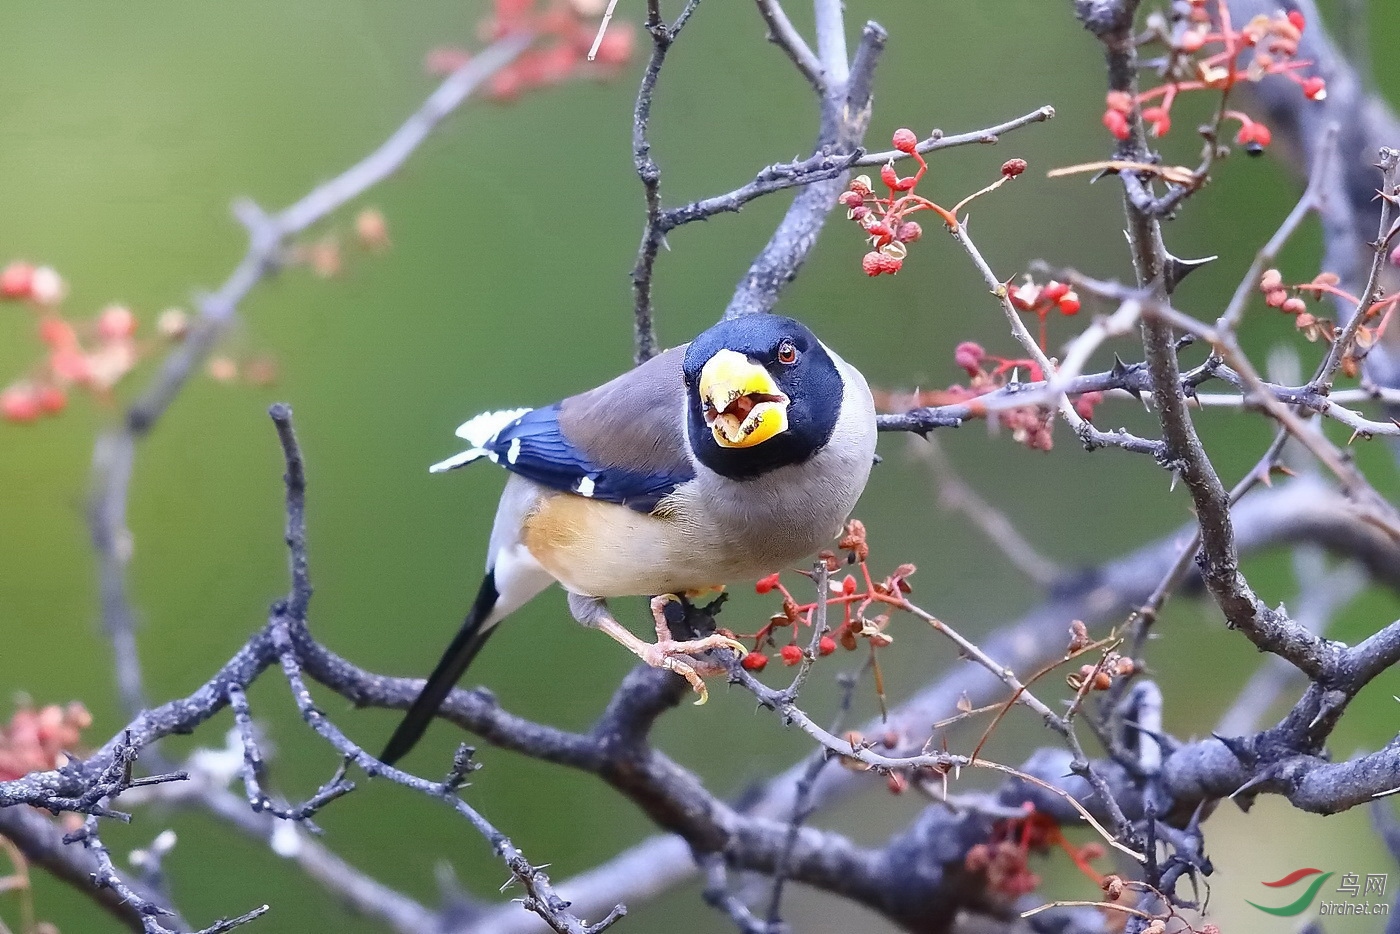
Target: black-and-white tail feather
point(476, 629)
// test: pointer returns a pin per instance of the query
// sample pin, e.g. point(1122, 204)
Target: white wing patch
point(585, 486)
point(513, 454)
point(478, 432)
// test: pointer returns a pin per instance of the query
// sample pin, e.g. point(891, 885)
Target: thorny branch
point(1150, 788)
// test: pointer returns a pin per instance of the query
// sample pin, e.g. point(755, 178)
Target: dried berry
point(1013, 167)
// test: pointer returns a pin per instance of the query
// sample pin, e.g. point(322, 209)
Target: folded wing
point(623, 442)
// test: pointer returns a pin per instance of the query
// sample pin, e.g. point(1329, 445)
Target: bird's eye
point(787, 352)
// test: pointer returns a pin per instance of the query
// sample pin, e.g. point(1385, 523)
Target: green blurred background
point(125, 131)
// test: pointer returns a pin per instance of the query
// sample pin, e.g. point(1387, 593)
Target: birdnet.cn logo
point(1356, 894)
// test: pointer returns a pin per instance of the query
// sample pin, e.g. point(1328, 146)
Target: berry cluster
point(1100, 677)
point(1040, 300)
point(886, 220)
point(94, 355)
point(565, 29)
point(1314, 327)
point(36, 740)
point(1203, 57)
point(1004, 860)
point(855, 598)
point(1029, 425)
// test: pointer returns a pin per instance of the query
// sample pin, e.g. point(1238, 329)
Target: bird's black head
point(762, 393)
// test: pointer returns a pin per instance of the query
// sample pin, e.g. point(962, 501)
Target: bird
point(724, 459)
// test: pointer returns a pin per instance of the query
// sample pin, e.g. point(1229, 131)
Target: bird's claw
point(663, 655)
point(697, 683)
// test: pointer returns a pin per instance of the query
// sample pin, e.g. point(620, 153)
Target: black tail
point(468, 641)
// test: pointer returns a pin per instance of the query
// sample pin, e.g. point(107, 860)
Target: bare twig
point(937, 140)
point(653, 233)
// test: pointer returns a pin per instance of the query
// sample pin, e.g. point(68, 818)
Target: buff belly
point(602, 549)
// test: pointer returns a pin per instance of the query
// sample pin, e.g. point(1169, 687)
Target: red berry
point(1294, 306)
point(116, 323)
point(70, 365)
point(1116, 123)
point(1013, 167)
point(1069, 304)
point(755, 661)
point(908, 232)
point(57, 333)
point(15, 280)
point(848, 585)
point(850, 199)
point(51, 399)
point(861, 185)
point(791, 654)
point(766, 584)
point(1158, 118)
point(889, 176)
point(875, 263)
point(969, 356)
point(1395, 256)
point(19, 404)
point(1054, 291)
point(826, 646)
point(907, 183)
point(1254, 135)
point(1297, 19)
point(905, 140)
point(1084, 405)
point(1314, 88)
point(1120, 101)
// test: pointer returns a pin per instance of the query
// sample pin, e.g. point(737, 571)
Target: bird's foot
point(663, 653)
point(666, 653)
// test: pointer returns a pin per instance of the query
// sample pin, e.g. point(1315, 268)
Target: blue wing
point(535, 446)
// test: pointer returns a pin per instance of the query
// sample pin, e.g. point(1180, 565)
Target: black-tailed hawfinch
point(723, 460)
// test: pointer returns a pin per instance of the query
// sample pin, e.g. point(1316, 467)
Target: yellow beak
point(743, 405)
